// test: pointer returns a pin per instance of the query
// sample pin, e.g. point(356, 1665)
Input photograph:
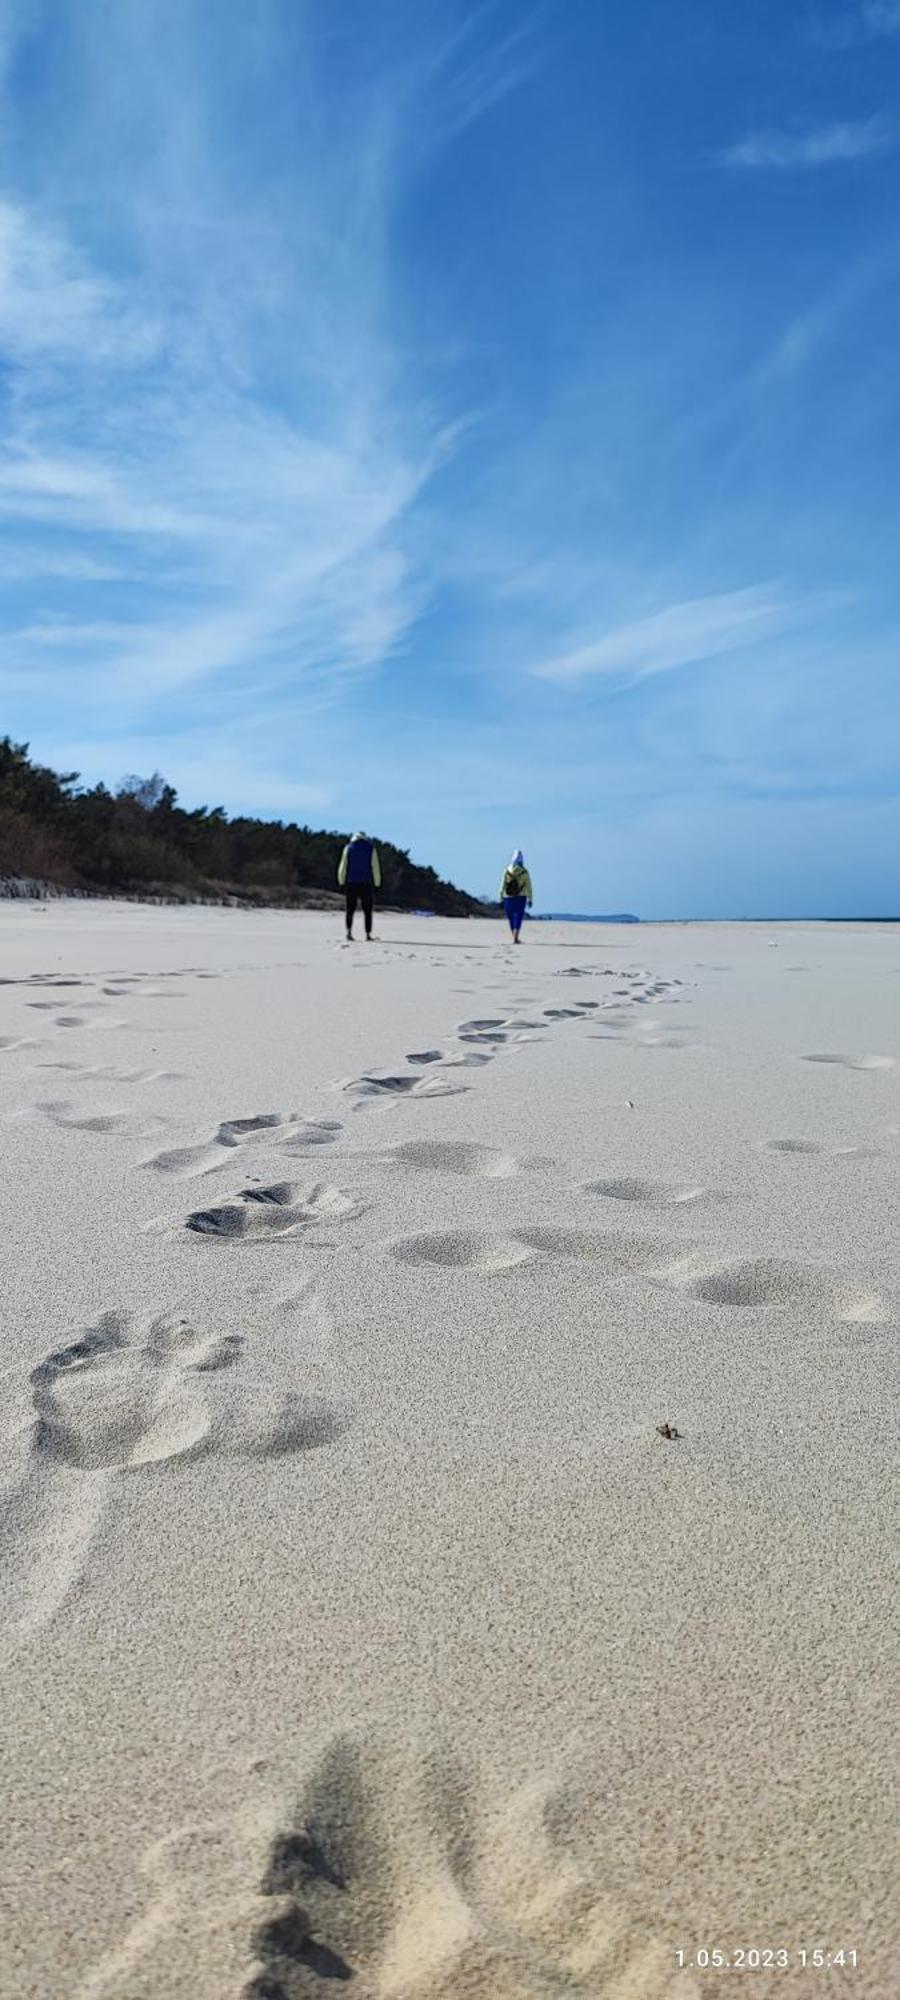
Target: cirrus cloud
point(699, 629)
point(827, 145)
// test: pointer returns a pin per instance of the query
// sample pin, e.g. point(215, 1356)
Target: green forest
point(138, 841)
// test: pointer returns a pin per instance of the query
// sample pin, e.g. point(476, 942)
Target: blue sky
point(476, 422)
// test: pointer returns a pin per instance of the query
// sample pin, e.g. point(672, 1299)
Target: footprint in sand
point(653, 1038)
point(771, 1283)
point(187, 1162)
point(237, 1131)
point(462, 1249)
point(469, 1058)
point(812, 1147)
point(84, 1007)
point(104, 1404)
point(114, 1072)
point(306, 1132)
point(385, 1086)
point(110, 1401)
point(854, 1062)
point(651, 1194)
point(483, 1250)
point(148, 993)
point(43, 979)
point(278, 1210)
point(79, 1021)
point(289, 1132)
point(125, 1399)
point(62, 1116)
point(451, 1156)
point(392, 1867)
point(792, 1146)
point(615, 1255)
point(774, 1283)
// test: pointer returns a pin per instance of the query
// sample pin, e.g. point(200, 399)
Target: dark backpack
point(511, 883)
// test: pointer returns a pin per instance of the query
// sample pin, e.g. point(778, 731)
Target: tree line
point(138, 840)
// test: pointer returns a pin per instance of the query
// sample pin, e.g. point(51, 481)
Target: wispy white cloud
point(880, 17)
point(828, 145)
point(25, 562)
point(479, 72)
point(860, 21)
point(678, 636)
point(209, 396)
point(293, 529)
point(69, 633)
point(52, 303)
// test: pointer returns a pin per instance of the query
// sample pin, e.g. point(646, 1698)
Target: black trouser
point(359, 892)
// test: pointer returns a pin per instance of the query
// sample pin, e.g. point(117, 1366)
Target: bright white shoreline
point(355, 1518)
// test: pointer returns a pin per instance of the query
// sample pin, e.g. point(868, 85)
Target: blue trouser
point(515, 910)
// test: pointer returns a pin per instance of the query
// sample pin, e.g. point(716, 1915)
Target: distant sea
point(578, 917)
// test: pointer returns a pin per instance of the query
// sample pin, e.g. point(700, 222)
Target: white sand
point(358, 1626)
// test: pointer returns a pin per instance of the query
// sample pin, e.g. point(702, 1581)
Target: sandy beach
point(359, 1623)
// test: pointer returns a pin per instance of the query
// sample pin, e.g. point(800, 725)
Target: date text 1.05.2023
point(758, 1958)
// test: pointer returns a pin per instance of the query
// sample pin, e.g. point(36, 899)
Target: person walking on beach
point(359, 875)
point(516, 892)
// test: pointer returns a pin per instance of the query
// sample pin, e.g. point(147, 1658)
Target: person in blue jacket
point(516, 893)
point(359, 875)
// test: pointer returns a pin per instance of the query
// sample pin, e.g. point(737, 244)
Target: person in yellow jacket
point(359, 875)
point(516, 893)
